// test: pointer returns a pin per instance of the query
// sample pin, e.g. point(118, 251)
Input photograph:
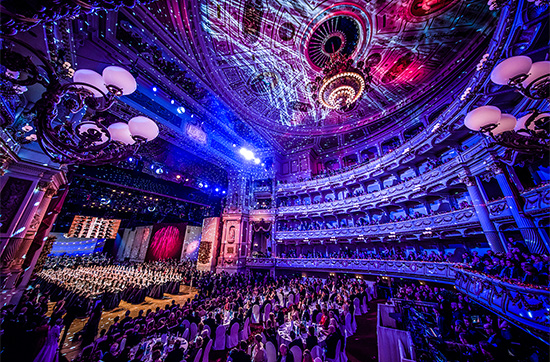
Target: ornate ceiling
point(261, 56)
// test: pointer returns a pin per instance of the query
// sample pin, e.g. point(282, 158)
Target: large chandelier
point(530, 134)
point(342, 84)
point(69, 118)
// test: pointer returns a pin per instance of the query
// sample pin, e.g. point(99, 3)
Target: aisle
point(363, 346)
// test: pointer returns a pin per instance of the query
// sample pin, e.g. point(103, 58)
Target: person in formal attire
point(311, 339)
point(50, 350)
point(238, 354)
point(285, 355)
point(295, 341)
point(258, 351)
point(332, 342)
point(176, 354)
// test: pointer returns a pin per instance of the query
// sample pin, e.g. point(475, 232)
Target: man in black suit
point(332, 342)
point(211, 322)
point(296, 341)
point(239, 354)
point(177, 354)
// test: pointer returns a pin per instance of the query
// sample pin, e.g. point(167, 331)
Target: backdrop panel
point(191, 243)
point(166, 241)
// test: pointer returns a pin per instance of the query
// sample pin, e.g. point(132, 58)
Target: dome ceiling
point(261, 56)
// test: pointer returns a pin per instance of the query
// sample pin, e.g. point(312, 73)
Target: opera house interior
point(274, 180)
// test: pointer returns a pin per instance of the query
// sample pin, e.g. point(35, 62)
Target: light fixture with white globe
point(76, 132)
point(531, 79)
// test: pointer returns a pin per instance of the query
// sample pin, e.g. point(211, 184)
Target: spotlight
point(159, 171)
point(130, 159)
point(155, 89)
point(181, 110)
point(205, 186)
point(257, 161)
point(178, 176)
point(217, 189)
point(200, 185)
point(246, 153)
point(223, 192)
point(172, 101)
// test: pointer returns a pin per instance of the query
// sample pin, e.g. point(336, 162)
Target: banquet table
point(148, 344)
point(285, 329)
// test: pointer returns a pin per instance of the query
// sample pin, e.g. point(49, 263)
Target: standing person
point(50, 352)
point(69, 318)
point(92, 326)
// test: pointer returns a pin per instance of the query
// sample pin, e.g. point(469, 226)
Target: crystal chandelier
point(529, 135)
point(342, 84)
point(69, 119)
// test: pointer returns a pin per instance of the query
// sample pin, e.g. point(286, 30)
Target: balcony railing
point(370, 169)
point(524, 305)
point(527, 306)
point(441, 272)
point(402, 191)
point(453, 219)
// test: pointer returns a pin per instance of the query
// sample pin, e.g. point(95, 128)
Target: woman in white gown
point(49, 352)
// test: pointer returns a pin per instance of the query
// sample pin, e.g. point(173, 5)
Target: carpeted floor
point(363, 346)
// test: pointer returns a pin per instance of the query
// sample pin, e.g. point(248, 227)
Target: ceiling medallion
point(342, 84)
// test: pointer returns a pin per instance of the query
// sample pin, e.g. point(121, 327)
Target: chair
point(264, 339)
point(233, 338)
point(186, 323)
point(256, 313)
point(207, 328)
point(193, 331)
point(185, 334)
point(219, 345)
point(318, 318)
point(246, 329)
point(270, 352)
point(364, 306)
point(357, 306)
point(296, 353)
point(207, 351)
point(316, 352)
point(337, 354)
point(348, 327)
point(267, 310)
point(198, 356)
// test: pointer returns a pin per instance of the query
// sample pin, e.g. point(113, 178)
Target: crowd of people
point(112, 283)
point(465, 332)
point(282, 311)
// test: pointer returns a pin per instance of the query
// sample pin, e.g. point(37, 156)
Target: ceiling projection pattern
point(265, 54)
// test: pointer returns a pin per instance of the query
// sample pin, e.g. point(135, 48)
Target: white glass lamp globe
point(510, 68)
point(121, 132)
point(538, 70)
point(481, 117)
point(521, 122)
point(507, 123)
point(88, 126)
point(93, 78)
point(143, 127)
point(120, 78)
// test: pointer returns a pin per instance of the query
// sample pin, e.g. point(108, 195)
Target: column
point(483, 214)
point(525, 224)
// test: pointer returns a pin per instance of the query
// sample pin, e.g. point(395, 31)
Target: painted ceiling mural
point(263, 55)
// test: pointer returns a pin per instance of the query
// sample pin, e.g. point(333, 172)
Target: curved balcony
point(432, 271)
point(451, 220)
point(378, 167)
point(527, 306)
point(437, 179)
